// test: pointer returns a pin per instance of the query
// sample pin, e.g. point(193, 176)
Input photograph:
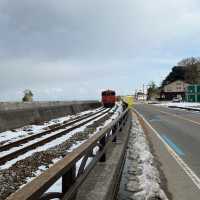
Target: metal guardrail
point(66, 168)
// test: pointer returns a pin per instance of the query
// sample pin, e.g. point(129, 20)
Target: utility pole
point(143, 88)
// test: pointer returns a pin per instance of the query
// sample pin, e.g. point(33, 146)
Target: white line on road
point(183, 165)
point(183, 118)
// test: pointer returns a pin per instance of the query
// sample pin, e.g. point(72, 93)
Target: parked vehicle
point(177, 99)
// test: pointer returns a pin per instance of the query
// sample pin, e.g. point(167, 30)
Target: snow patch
point(48, 145)
point(143, 177)
point(11, 136)
point(57, 186)
point(179, 104)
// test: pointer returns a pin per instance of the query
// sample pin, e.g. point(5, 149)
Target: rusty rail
point(66, 168)
point(25, 149)
point(38, 135)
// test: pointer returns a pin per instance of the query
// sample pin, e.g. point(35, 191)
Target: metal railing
point(66, 168)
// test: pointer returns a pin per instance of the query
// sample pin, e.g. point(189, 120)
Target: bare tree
point(153, 91)
point(188, 70)
point(192, 70)
point(189, 61)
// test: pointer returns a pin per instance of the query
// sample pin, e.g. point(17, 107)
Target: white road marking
point(183, 165)
point(174, 115)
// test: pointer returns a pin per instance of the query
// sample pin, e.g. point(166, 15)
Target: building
point(193, 93)
point(140, 96)
point(174, 89)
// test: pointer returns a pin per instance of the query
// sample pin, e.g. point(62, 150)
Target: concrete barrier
point(18, 114)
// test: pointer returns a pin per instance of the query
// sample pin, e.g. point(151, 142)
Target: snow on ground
point(41, 169)
point(3, 153)
point(179, 104)
point(47, 145)
point(11, 136)
point(115, 115)
point(142, 177)
point(57, 186)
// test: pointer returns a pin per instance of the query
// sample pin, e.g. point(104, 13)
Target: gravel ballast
point(26, 169)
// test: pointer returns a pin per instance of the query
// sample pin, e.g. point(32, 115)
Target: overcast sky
point(72, 49)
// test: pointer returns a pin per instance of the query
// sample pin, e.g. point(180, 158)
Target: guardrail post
point(120, 125)
point(68, 179)
point(103, 143)
point(114, 132)
point(124, 119)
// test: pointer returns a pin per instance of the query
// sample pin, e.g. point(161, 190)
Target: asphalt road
point(180, 130)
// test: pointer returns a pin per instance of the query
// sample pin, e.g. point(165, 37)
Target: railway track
point(53, 134)
point(53, 128)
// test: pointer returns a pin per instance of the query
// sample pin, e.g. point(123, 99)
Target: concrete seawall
point(17, 114)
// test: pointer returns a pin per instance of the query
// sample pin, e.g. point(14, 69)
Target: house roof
point(175, 81)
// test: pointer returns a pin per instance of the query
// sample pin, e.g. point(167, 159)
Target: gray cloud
point(73, 49)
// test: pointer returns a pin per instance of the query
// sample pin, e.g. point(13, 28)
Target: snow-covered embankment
point(141, 177)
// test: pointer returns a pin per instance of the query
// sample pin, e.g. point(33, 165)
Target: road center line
point(182, 164)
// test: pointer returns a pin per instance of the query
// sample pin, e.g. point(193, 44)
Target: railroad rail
point(53, 128)
point(66, 168)
point(71, 126)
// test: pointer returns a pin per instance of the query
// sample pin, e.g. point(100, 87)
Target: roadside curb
point(185, 108)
